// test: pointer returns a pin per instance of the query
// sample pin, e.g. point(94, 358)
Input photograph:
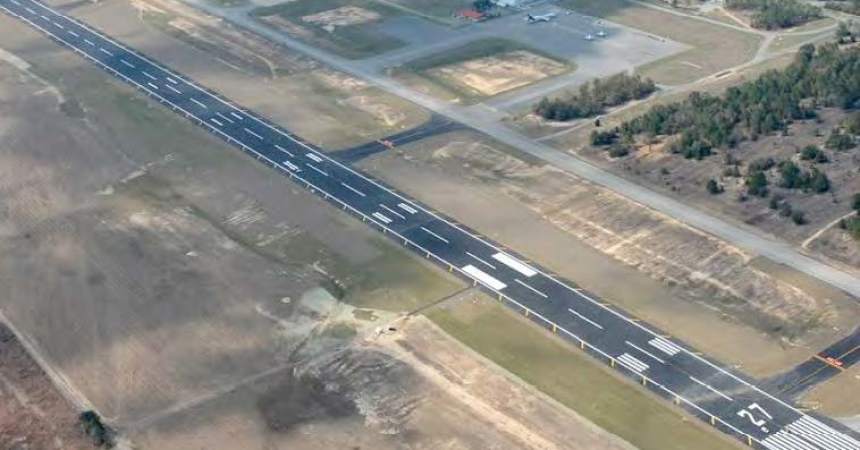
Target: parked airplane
point(589, 37)
point(541, 18)
point(601, 33)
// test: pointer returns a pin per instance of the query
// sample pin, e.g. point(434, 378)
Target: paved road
point(436, 125)
point(485, 121)
point(667, 367)
point(825, 365)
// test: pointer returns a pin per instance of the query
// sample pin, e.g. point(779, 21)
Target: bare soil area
point(33, 413)
point(341, 17)
point(415, 388)
point(830, 397)
point(492, 75)
point(708, 293)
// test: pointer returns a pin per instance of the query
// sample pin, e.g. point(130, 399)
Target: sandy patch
point(341, 17)
point(491, 75)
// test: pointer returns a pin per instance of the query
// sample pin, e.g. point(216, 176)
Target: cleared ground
point(480, 69)
point(704, 291)
point(345, 27)
point(714, 48)
point(830, 398)
point(570, 377)
point(33, 413)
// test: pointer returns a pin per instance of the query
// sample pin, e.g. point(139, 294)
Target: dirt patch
point(830, 397)
point(341, 17)
point(34, 413)
point(499, 73)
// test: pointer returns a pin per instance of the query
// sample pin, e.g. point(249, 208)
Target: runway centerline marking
point(152, 86)
point(646, 352)
point(354, 190)
point(198, 103)
point(317, 169)
point(247, 130)
point(236, 115)
point(103, 50)
point(517, 280)
point(710, 388)
point(284, 150)
point(227, 119)
point(385, 219)
point(89, 42)
point(127, 63)
point(435, 235)
point(476, 258)
point(73, 33)
point(586, 319)
point(385, 207)
point(216, 121)
point(173, 89)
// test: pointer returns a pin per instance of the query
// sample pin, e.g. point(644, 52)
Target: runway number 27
point(752, 413)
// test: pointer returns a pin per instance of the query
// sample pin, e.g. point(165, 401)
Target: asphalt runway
point(436, 125)
point(669, 368)
point(823, 366)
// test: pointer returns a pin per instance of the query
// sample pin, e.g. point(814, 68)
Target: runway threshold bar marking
point(515, 264)
point(484, 277)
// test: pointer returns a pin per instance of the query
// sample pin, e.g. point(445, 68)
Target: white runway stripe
point(481, 261)
point(103, 50)
point(484, 277)
point(515, 264)
point(401, 216)
point(198, 103)
point(586, 319)
point(282, 149)
point(228, 120)
point(127, 63)
point(632, 363)
point(315, 158)
point(710, 388)
point(431, 233)
point(152, 86)
point(89, 42)
point(236, 116)
point(781, 440)
point(292, 166)
point(173, 89)
point(73, 33)
point(665, 346)
point(253, 134)
point(216, 121)
point(385, 219)
point(317, 169)
point(407, 208)
point(148, 75)
point(645, 352)
point(821, 434)
point(171, 80)
point(517, 280)
point(354, 190)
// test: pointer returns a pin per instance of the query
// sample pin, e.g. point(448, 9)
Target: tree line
point(826, 76)
point(772, 14)
point(847, 6)
point(593, 98)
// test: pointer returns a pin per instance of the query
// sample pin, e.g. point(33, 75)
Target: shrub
point(713, 187)
point(798, 217)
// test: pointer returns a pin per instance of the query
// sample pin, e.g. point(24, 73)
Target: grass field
point(424, 72)
point(438, 10)
point(355, 41)
point(573, 378)
point(713, 47)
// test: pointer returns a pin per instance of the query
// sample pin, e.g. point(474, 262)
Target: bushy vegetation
point(772, 14)
point(852, 225)
point(93, 427)
point(593, 98)
point(827, 76)
point(848, 6)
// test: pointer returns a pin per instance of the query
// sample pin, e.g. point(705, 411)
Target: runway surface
point(823, 366)
point(669, 368)
point(436, 125)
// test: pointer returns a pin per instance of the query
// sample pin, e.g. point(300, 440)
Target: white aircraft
point(541, 18)
point(589, 37)
point(601, 33)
